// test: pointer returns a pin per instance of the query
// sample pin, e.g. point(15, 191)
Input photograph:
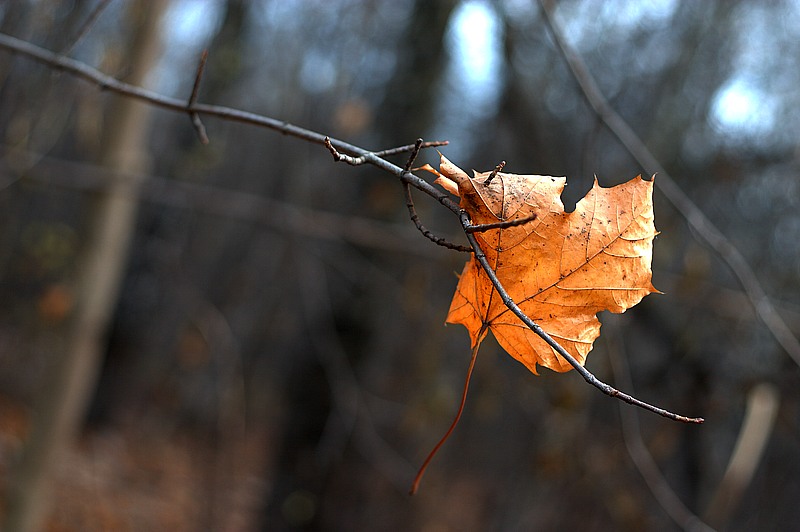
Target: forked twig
point(357, 161)
point(412, 210)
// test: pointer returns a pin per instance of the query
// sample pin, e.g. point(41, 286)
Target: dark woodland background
point(274, 356)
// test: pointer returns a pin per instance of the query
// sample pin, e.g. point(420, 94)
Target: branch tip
point(337, 156)
point(494, 172)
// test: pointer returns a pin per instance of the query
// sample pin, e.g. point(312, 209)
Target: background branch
point(111, 84)
point(87, 25)
point(640, 455)
point(699, 222)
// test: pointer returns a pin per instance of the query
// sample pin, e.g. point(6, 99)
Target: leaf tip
point(451, 171)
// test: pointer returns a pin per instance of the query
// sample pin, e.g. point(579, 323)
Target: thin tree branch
point(87, 25)
point(343, 157)
point(702, 226)
point(585, 373)
point(336, 147)
point(427, 233)
point(413, 155)
point(358, 161)
point(412, 210)
point(108, 83)
point(411, 147)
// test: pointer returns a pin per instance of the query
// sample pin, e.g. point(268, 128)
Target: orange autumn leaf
point(560, 268)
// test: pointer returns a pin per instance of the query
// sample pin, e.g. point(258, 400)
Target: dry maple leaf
point(560, 268)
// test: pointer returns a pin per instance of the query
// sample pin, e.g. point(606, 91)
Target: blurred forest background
point(258, 331)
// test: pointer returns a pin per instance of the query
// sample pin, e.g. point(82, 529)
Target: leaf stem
point(418, 478)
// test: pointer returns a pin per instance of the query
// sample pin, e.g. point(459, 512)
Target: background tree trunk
point(73, 373)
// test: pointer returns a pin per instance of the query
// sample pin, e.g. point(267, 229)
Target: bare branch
point(108, 83)
point(585, 373)
point(702, 226)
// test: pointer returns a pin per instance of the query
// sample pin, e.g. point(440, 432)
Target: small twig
point(364, 159)
point(479, 228)
point(494, 172)
point(427, 233)
point(196, 122)
point(413, 156)
point(585, 373)
point(87, 25)
point(411, 147)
